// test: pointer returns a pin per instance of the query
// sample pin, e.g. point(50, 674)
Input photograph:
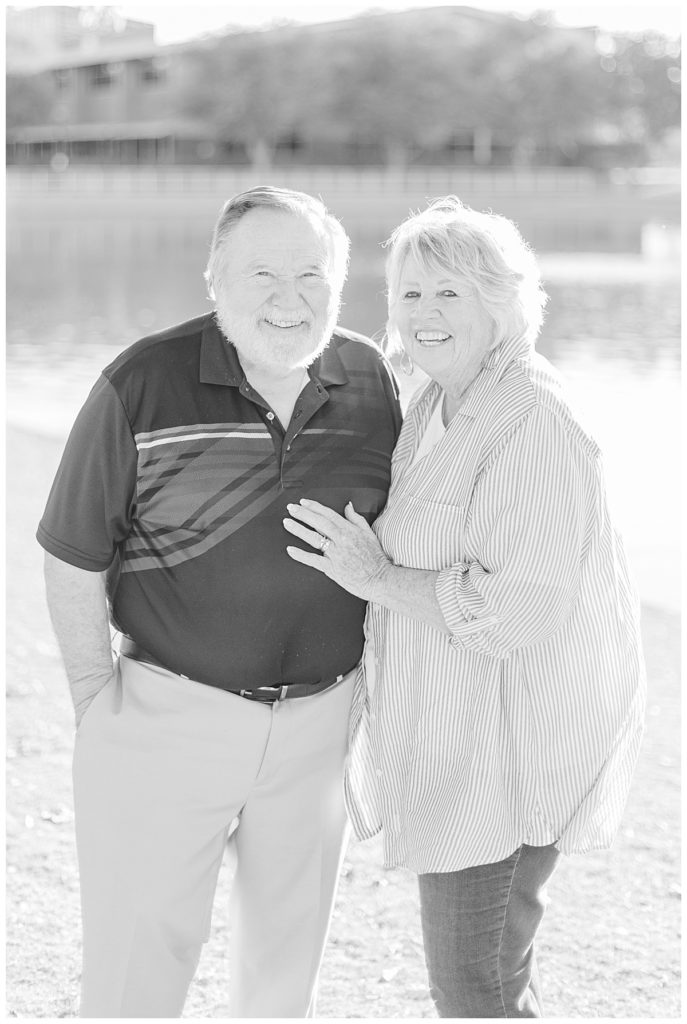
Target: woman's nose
point(426, 304)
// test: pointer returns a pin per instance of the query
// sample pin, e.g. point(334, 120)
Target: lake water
point(79, 291)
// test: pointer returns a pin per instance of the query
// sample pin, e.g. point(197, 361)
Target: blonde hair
point(487, 250)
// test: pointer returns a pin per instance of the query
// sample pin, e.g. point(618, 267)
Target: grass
point(610, 942)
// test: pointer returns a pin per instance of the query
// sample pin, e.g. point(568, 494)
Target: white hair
point(278, 199)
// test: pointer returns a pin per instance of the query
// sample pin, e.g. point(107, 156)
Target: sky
point(178, 22)
point(175, 23)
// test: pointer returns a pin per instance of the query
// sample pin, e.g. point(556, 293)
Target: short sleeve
point(89, 508)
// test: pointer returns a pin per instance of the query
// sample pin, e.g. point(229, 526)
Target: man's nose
point(286, 291)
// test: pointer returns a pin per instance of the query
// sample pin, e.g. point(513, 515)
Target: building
point(104, 87)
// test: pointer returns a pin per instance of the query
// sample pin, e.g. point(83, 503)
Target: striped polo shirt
point(175, 479)
point(521, 725)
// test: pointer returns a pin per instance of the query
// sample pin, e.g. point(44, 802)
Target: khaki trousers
point(162, 766)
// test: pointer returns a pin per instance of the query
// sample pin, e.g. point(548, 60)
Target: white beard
point(275, 349)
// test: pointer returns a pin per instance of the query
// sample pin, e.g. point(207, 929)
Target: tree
point(540, 86)
point(642, 83)
point(397, 82)
point(420, 79)
point(244, 85)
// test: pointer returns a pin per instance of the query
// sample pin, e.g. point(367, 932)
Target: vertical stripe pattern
point(522, 725)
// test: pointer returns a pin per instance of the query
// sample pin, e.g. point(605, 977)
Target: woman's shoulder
point(548, 399)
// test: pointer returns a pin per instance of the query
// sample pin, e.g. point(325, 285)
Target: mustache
point(315, 321)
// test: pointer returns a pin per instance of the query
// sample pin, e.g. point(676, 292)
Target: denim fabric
point(479, 926)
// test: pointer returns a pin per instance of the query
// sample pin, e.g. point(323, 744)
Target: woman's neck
point(452, 402)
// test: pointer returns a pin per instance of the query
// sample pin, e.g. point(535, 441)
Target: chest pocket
point(422, 534)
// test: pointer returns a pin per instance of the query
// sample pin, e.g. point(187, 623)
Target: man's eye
point(411, 295)
point(450, 293)
point(262, 273)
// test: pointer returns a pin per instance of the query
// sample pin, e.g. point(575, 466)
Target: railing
point(361, 181)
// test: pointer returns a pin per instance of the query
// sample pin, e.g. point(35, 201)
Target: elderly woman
point(500, 700)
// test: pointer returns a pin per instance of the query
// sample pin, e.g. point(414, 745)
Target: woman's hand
point(348, 551)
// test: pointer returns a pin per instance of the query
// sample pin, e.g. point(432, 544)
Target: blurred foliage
point(426, 78)
point(422, 85)
point(240, 87)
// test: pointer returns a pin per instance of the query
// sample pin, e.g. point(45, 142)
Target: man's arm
point(79, 614)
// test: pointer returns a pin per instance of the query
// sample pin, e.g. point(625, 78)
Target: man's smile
point(283, 324)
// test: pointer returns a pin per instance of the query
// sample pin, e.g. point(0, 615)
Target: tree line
point(492, 88)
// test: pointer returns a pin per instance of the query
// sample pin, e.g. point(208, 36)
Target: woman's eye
point(262, 273)
point(411, 295)
point(450, 293)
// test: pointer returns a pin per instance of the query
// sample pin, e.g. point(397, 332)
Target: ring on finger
point(326, 541)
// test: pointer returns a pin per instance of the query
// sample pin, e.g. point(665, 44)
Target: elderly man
point(229, 699)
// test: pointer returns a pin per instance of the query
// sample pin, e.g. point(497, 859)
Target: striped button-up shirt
point(523, 724)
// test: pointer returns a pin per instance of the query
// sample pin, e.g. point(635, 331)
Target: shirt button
point(288, 447)
point(270, 416)
point(380, 772)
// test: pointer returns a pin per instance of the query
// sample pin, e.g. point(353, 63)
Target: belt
point(266, 694)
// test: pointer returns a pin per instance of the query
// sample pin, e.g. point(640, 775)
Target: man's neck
point(280, 388)
point(274, 379)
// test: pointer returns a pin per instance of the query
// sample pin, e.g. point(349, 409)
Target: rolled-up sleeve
point(524, 537)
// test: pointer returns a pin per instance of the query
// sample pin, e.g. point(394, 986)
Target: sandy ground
point(609, 944)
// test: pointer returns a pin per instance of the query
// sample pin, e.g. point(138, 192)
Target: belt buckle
point(259, 694)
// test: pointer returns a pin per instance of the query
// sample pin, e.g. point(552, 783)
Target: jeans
point(479, 926)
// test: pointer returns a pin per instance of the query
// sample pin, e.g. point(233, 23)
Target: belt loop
point(282, 692)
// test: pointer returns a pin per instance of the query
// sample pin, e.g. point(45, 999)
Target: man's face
point(277, 299)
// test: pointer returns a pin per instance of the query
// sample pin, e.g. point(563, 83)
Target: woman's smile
point(430, 339)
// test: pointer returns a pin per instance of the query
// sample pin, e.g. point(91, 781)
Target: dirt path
point(609, 946)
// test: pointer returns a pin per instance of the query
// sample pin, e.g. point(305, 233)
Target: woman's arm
point(528, 516)
point(354, 559)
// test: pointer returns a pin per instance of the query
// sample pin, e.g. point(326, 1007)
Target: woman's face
point(443, 325)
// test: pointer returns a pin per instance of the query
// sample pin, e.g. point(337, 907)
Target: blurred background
point(124, 137)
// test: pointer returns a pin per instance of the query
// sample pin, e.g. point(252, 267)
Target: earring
point(407, 365)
